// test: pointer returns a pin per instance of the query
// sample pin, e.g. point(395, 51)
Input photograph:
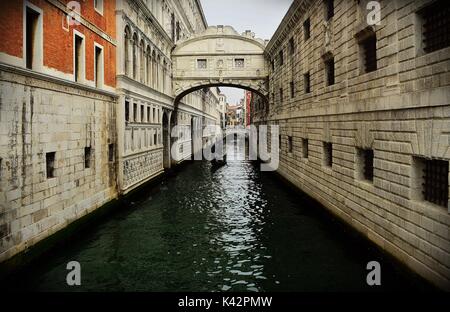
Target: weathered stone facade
point(40, 115)
point(85, 107)
point(57, 118)
point(148, 32)
point(400, 111)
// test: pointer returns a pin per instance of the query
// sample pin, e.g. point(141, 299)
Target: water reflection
point(229, 229)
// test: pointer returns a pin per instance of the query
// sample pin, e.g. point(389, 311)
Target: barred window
point(368, 53)
point(434, 180)
point(307, 82)
point(365, 164)
point(329, 71)
point(307, 29)
point(327, 154)
point(305, 148)
point(435, 26)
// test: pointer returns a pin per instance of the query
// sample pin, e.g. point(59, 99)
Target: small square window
point(50, 164)
point(305, 148)
point(327, 154)
point(202, 64)
point(307, 29)
point(431, 180)
point(87, 157)
point(239, 63)
point(364, 163)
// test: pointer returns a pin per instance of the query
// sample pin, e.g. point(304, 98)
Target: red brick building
point(58, 136)
point(53, 36)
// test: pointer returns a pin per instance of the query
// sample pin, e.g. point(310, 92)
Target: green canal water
point(206, 229)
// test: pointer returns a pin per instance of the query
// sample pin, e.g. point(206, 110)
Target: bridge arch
point(219, 57)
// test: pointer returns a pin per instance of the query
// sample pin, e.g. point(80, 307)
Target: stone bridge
point(220, 57)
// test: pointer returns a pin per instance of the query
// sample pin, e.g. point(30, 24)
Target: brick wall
point(58, 37)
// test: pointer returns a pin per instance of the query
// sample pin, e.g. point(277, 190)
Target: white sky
point(260, 16)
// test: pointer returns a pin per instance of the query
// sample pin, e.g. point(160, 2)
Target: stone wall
point(40, 114)
point(401, 111)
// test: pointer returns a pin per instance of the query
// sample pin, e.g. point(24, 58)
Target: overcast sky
point(260, 16)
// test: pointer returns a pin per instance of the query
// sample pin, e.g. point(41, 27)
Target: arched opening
point(158, 73)
point(142, 61)
point(126, 51)
point(193, 137)
point(166, 140)
point(164, 76)
point(154, 78)
point(135, 49)
point(149, 66)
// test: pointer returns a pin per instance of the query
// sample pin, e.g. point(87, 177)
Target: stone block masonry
point(40, 115)
point(399, 112)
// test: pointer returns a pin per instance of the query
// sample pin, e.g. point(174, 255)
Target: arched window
point(164, 76)
point(158, 73)
point(149, 66)
point(154, 77)
point(126, 51)
point(142, 61)
point(135, 49)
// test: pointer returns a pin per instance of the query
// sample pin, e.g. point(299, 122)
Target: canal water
point(231, 228)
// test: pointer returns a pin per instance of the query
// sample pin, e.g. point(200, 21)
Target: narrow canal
point(228, 229)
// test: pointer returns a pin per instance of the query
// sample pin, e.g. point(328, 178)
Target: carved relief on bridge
point(220, 56)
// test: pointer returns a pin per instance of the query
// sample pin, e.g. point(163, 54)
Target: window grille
point(435, 181)
point(369, 53)
point(436, 26)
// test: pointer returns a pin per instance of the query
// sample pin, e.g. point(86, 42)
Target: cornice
point(289, 22)
point(139, 4)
